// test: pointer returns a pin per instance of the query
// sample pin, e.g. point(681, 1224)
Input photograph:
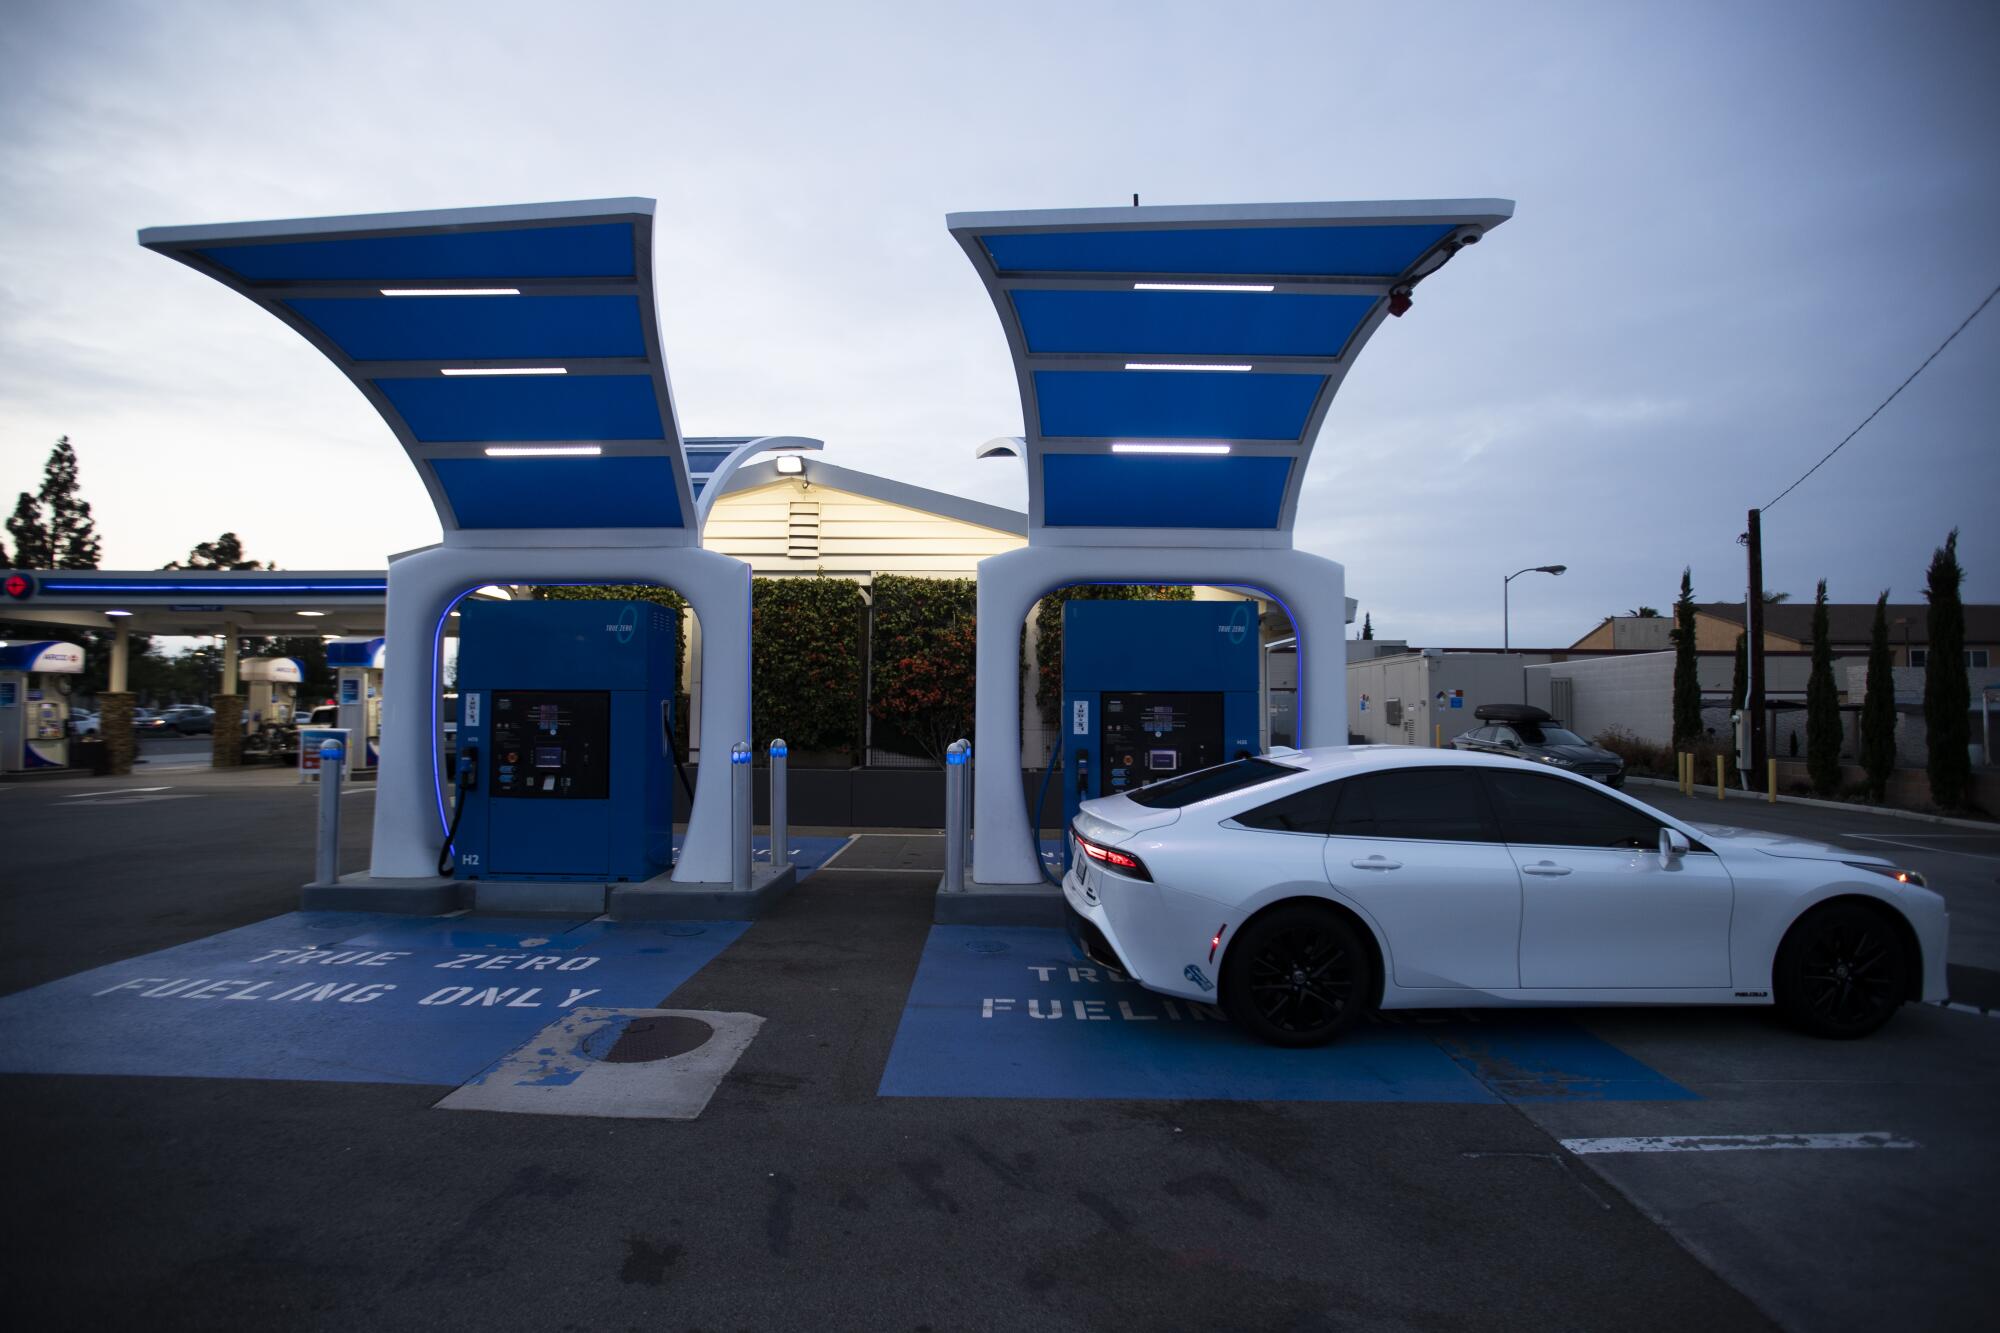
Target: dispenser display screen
point(551, 745)
point(1149, 735)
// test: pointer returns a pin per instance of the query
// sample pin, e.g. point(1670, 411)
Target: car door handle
point(1375, 863)
point(1545, 868)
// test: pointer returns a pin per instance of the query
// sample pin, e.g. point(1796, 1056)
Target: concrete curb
point(998, 905)
point(1891, 811)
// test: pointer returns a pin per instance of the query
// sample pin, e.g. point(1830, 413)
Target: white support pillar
point(423, 585)
point(121, 658)
point(1312, 589)
point(228, 657)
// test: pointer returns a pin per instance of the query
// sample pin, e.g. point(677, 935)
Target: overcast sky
point(1739, 226)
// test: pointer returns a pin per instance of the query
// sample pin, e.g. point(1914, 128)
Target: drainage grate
point(641, 1040)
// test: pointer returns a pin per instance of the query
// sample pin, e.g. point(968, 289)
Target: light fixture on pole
point(1506, 639)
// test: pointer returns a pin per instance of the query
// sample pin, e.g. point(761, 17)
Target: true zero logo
point(1143, 1007)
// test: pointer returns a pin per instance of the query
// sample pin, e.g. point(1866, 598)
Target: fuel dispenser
point(1152, 689)
point(357, 663)
point(34, 704)
point(274, 691)
point(564, 741)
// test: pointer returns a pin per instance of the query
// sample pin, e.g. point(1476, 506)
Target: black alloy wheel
point(1297, 976)
point(1842, 971)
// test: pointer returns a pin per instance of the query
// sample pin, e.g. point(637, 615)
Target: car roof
point(1338, 760)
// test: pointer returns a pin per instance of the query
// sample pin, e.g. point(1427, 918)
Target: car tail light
point(1123, 862)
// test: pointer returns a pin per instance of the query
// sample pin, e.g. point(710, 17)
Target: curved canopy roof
point(514, 351)
point(1175, 363)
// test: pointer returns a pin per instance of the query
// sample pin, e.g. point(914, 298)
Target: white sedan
point(1303, 888)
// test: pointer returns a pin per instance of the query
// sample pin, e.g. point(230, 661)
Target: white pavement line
point(1959, 1006)
point(1738, 1142)
point(115, 791)
point(1918, 847)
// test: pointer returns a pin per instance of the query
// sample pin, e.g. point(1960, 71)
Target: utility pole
point(1753, 641)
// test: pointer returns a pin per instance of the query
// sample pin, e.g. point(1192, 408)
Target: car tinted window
point(1208, 782)
point(1437, 804)
point(1308, 811)
point(1556, 812)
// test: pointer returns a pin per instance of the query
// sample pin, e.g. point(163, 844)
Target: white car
point(1303, 888)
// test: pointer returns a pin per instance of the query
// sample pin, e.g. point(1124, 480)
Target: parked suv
point(1522, 731)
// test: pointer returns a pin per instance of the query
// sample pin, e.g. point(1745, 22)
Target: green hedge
point(924, 659)
point(805, 663)
point(1048, 616)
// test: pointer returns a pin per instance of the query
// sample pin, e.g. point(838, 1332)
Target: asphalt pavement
point(803, 1197)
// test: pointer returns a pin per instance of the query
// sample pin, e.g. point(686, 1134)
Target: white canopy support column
point(121, 658)
point(1311, 588)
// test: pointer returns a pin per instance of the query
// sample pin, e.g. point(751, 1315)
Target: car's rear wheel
point(1842, 971)
point(1298, 976)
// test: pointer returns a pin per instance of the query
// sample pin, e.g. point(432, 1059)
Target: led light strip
point(1181, 365)
point(543, 450)
point(1204, 287)
point(1139, 447)
point(505, 370)
point(450, 291)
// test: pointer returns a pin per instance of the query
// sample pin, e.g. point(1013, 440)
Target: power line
point(1890, 399)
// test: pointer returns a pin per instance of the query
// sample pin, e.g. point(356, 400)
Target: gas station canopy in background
point(1175, 363)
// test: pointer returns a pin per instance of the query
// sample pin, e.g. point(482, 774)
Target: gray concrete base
point(531, 897)
point(998, 905)
point(362, 892)
point(661, 899)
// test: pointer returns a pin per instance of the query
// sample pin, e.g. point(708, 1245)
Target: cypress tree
point(1947, 692)
point(1822, 707)
point(1367, 627)
point(1687, 684)
point(1878, 709)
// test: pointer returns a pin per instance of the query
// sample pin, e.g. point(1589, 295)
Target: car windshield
point(1539, 734)
point(1205, 783)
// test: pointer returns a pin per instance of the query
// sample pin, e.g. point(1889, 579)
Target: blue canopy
point(513, 351)
point(1175, 363)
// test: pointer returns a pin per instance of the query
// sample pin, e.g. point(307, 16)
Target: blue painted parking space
point(348, 997)
point(1013, 1012)
point(356, 997)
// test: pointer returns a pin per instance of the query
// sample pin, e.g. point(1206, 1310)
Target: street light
point(1506, 642)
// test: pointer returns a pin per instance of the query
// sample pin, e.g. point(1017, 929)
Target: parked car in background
point(146, 722)
point(1522, 731)
point(190, 719)
point(83, 722)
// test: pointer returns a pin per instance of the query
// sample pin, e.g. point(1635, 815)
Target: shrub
point(925, 659)
point(805, 663)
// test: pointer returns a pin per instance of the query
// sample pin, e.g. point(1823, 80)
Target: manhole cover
point(985, 946)
point(639, 1040)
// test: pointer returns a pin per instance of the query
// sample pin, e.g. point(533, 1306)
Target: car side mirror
point(1673, 846)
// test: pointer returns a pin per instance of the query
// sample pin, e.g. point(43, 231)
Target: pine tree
point(1947, 692)
point(1687, 683)
point(30, 533)
point(1822, 707)
point(1367, 627)
point(73, 540)
point(1878, 708)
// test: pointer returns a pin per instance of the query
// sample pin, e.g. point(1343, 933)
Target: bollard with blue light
point(957, 813)
point(781, 833)
point(327, 866)
point(741, 814)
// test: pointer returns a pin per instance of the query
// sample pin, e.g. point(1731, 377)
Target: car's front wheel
point(1299, 975)
point(1841, 972)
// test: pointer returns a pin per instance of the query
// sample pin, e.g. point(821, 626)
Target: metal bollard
point(740, 813)
point(957, 820)
point(781, 833)
point(327, 862)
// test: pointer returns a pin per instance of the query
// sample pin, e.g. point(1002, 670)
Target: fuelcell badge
point(1195, 974)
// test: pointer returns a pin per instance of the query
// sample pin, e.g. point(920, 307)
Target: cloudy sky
point(1739, 226)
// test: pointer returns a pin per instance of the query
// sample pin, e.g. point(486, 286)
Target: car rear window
point(1433, 804)
point(1206, 783)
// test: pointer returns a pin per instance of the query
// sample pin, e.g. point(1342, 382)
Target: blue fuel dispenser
point(564, 741)
point(1151, 689)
